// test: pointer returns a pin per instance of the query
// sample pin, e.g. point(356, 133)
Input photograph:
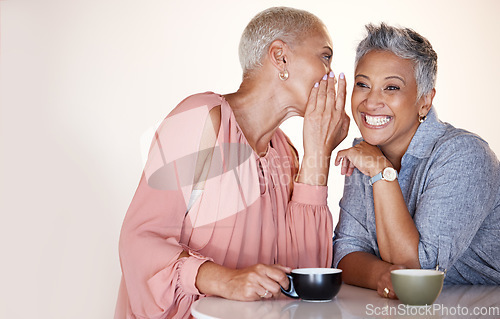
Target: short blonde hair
point(276, 23)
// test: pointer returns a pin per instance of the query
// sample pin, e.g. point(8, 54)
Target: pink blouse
point(247, 213)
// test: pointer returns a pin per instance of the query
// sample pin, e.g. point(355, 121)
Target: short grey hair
point(406, 44)
point(276, 23)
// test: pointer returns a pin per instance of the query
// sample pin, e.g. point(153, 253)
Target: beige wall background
point(82, 80)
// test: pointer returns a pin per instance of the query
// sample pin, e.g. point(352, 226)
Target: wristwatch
point(388, 174)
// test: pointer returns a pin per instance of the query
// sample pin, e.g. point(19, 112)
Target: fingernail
point(325, 77)
point(316, 84)
point(332, 75)
point(342, 75)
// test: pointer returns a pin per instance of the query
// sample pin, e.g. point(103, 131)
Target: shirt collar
point(426, 136)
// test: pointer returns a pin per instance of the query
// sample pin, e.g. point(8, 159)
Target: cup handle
point(291, 290)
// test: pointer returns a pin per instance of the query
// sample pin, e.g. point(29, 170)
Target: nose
point(329, 66)
point(374, 100)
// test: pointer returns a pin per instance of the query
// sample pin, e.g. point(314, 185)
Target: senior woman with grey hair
point(223, 207)
point(419, 193)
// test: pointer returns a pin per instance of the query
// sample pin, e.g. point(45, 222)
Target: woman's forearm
point(245, 284)
point(314, 170)
point(210, 278)
point(207, 273)
point(362, 269)
point(397, 235)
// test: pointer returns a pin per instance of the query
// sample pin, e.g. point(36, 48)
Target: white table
point(355, 302)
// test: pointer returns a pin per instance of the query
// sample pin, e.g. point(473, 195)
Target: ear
point(277, 54)
point(426, 103)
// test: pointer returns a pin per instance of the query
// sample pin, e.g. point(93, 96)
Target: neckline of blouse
point(231, 114)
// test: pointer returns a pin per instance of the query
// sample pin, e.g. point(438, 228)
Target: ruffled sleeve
point(310, 226)
point(308, 221)
point(156, 283)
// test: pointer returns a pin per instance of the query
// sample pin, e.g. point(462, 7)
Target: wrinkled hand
point(251, 283)
point(367, 158)
point(325, 122)
point(385, 282)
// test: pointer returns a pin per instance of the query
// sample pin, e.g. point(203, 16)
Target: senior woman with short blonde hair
point(222, 207)
point(419, 193)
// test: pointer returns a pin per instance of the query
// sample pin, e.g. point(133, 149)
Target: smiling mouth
point(376, 121)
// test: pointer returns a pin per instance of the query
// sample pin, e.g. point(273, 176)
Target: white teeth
point(377, 120)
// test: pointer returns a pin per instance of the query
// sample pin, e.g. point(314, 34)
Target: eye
point(327, 57)
point(362, 85)
point(392, 88)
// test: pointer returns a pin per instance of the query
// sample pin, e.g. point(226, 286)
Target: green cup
point(417, 287)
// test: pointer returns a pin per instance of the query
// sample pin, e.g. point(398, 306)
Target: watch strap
point(375, 178)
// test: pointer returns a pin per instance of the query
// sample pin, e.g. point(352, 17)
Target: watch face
point(390, 174)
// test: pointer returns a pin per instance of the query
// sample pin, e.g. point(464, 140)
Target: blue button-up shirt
point(450, 180)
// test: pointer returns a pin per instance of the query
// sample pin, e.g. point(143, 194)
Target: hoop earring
point(283, 75)
point(421, 118)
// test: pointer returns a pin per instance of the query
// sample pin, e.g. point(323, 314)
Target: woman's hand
point(247, 284)
point(253, 282)
point(385, 284)
point(325, 122)
point(325, 125)
point(368, 159)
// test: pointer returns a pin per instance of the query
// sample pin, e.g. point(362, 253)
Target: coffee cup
point(314, 284)
point(417, 287)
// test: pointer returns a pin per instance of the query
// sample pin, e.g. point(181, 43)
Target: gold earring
point(422, 118)
point(283, 75)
